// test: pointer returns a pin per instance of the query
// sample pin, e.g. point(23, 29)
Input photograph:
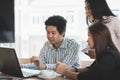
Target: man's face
point(54, 36)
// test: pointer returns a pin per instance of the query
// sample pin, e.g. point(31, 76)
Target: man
point(58, 48)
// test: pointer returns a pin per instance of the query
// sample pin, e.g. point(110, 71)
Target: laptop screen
point(9, 63)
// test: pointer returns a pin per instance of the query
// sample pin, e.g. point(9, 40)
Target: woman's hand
point(71, 74)
point(90, 52)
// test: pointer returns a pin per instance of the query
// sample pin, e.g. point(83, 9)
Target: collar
point(63, 44)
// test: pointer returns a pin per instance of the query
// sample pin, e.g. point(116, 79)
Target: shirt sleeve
point(51, 66)
point(29, 66)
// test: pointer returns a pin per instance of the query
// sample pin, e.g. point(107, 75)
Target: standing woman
point(98, 10)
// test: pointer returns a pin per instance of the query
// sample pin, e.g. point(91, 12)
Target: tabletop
point(8, 77)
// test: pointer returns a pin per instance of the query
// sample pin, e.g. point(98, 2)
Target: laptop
point(9, 64)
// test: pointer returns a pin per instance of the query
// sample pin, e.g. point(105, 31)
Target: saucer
point(48, 74)
point(44, 77)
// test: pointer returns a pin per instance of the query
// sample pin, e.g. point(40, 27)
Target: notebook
point(9, 64)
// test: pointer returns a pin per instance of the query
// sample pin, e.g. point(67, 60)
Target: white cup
point(48, 73)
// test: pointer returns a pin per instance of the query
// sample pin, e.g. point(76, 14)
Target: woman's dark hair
point(101, 37)
point(58, 21)
point(99, 9)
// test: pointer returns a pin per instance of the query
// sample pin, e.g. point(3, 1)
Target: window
point(30, 31)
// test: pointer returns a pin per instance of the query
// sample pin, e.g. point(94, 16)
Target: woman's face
point(91, 52)
point(88, 11)
point(90, 41)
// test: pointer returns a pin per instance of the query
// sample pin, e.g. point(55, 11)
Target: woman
point(98, 10)
point(107, 61)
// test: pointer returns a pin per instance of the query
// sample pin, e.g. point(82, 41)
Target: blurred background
point(29, 33)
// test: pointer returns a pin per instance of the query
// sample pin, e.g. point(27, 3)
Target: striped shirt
point(67, 53)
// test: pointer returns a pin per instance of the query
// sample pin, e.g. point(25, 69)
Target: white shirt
point(114, 27)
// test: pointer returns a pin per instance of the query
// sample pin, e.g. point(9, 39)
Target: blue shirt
point(67, 53)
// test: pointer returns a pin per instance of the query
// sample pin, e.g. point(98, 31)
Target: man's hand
point(61, 67)
point(37, 61)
